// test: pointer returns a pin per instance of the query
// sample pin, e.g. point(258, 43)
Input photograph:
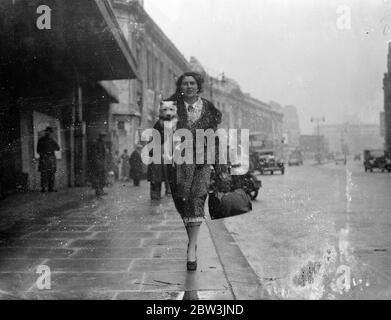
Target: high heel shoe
point(192, 265)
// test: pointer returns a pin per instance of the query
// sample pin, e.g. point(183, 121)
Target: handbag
point(229, 205)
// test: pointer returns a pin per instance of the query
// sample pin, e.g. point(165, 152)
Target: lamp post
point(344, 147)
point(318, 120)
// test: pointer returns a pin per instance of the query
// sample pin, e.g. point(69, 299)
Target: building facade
point(352, 138)
point(159, 64)
point(291, 127)
point(242, 111)
point(313, 146)
point(387, 103)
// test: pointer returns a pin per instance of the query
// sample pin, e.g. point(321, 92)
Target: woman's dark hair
point(197, 77)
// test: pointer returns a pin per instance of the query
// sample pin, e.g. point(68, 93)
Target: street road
point(320, 232)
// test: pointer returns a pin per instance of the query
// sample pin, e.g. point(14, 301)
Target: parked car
point(376, 159)
point(268, 163)
point(246, 181)
point(295, 160)
point(340, 158)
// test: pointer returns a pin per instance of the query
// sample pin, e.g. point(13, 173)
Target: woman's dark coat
point(190, 182)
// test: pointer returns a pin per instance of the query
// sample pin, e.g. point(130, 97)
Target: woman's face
point(189, 87)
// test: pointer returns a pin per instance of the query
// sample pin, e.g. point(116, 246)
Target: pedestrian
point(47, 160)
point(136, 165)
point(99, 159)
point(125, 169)
point(189, 182)
point(117, 162)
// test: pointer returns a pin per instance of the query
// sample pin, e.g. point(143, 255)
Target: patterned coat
point(190, 182)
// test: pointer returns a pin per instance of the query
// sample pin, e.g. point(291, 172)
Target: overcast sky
point(289, 51)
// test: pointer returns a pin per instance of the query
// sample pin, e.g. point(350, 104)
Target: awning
point(99, 46)
point(85, 43)
point(122, 109)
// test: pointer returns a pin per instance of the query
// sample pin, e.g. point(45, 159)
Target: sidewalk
point(121, 246)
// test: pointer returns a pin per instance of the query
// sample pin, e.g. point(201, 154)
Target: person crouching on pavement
point(47, 160)
point(136, 165)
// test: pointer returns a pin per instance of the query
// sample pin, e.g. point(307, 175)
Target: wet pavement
point(122, 246)
point(317, 232)
point(320, 232)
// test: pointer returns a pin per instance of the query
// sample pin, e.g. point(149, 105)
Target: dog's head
point(167, 110)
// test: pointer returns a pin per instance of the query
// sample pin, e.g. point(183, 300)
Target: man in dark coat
point(136, 165)
point(99, 160)
point(47, 160)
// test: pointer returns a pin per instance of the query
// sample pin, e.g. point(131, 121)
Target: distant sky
point(289, 51)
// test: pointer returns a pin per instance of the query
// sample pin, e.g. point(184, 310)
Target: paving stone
point(35, 243)
point(122, 235)
point(186, 280)
point(104, 243)
point(88, 265)
point(164, 242)
point(69, 295)
point(58, 235)
point(169, 228)
point(168, 235)
point(149, 295)
point(23, 253)
point(68, 228)
point(119, 253)
point(16, 283)
point(120, 228)
point(169, 253)
point(155, 265)
point(81, 223)
point(63, 282)
point(18, 265)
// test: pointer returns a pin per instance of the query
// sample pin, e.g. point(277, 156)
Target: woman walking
point(189, 182)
